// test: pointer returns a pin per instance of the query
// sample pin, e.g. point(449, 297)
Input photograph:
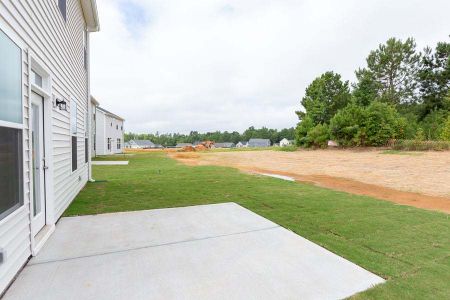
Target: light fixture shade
point(61, 104)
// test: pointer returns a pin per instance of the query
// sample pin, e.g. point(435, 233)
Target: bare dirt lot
point(420, 179)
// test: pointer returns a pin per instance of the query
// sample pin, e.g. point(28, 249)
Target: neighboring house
point(259, 143)
point(93, 108)
point(44, 120)
point(241, 144)
point(285, 142)
point(224, 145)
point(108, 132)
point(181, 145)
point(159, 146)
point(141, 144)
point(126, 145)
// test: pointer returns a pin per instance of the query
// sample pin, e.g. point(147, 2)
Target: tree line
point(171, 139)
point(401, 93)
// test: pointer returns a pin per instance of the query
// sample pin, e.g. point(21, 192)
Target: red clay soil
point(416, 199)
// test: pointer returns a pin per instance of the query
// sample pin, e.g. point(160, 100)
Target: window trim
point(73, 135)
point(63, 15)
point(76, 150)
point(86, 150)
point(17, 209)
point(16, 206)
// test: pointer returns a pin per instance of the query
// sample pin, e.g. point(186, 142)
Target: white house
point(44, 123)
point(285, 142)
point(242, 144)
point(108, 132)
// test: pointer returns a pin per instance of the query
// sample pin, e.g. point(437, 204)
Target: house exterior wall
point(100, 139)
point(39, 29)
point(110, 127)
point(93, 133)
point(114, 132)
point(284, 142)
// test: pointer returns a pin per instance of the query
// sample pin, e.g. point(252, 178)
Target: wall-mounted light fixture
point(61, 104)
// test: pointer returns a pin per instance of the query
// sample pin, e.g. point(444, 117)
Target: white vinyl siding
point(107, 127)
point(15, 228)
point(58, 46)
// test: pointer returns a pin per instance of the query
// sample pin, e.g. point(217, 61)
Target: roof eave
point(94, 101)
point(90, 15)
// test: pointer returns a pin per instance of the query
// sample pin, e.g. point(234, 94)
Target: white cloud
point(176, 66)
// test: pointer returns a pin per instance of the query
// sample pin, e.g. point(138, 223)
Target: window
point(10, 81)
point(109, 144)
point(74, 154)
point(117, 127)
point(86, 151)
point(119, 144)
point(36, 78)
point(121, 127)
point(62, 4)
point(10, 170)
point(11, 153)
point(73, 132)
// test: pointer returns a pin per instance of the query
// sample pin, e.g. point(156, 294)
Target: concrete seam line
point(149, 246)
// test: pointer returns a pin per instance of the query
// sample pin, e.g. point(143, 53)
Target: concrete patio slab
point(220, 251)
point(110, 163)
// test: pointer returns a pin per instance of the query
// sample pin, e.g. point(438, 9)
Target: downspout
point(89, 106)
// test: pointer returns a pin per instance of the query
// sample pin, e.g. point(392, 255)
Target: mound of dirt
point(187, 149)
point(183, 156)
point(200, 148)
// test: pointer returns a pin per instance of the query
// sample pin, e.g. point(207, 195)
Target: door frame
point(40, 192)
point(48, 99)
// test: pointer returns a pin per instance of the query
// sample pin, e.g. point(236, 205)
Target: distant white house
point(259, 143)
point(141, 144)
point(44, 121)
point(242, 144)
point(108, 132)
point(285, 142)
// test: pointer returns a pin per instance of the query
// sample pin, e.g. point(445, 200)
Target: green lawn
point(407, 246)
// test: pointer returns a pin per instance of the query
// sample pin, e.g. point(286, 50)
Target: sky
point(206, 65)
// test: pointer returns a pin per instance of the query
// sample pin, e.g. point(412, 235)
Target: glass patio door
point(38, 161)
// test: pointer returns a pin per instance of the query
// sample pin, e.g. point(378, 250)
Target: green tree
point(433, 124)
point(434, 79)
point(445, 134)
point(305, 125)
point(373, 125)
point(420, 135)
point(318, 136)
point(382, 123)
point(347, 126)
point(394, 67)
point(366, 89)
point(324, 97)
